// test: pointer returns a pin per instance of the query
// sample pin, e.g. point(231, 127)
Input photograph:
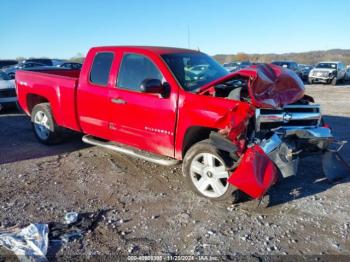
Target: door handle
point(118, 101)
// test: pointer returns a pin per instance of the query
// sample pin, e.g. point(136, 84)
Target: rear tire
point(205, 170)
point(45, 128)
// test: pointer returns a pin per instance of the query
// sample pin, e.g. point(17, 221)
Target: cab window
point(134, 69)
point(101, 67)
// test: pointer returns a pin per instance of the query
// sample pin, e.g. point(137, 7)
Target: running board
point(150, 158)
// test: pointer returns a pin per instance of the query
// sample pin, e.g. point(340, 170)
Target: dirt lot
point(149, 210)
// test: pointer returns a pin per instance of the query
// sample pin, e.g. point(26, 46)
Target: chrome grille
point(291, 116)
point(320, 73)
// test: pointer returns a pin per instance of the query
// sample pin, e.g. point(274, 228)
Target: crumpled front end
point(285, 127)
point(277, 153)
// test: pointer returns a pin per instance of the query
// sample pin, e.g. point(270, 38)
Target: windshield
point(4, 76)
point(193, 70)
point(327, 65)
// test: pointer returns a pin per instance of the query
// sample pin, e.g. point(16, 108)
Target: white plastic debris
point(29, 243)
point(71, 217)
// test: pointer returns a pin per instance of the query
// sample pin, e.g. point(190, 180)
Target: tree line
point(311, 57)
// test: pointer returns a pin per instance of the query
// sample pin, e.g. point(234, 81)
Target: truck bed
point(57, 86)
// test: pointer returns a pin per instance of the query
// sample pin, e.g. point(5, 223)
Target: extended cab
point(233, 132)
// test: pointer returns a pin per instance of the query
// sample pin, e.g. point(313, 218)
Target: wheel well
point(193, 135)
point(33, 100)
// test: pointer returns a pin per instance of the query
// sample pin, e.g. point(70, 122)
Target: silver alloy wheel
point(209, 175)
point(41, 125)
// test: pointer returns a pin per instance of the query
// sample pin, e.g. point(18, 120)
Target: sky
point(62, 29)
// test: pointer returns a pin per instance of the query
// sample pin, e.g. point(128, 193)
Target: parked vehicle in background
point(244, 64)
point(305, 70)
point(229, 136)
point(45, 61)
point(70, 65)
point(7, 90)
point(198, 69)
point(328, 72)
point(6, 63)
point(237, 65)
point(347, 78)
point(231, 67)
point(57, 62)
point(292, 65)
point(11, 70)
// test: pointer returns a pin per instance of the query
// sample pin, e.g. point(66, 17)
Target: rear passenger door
point(92, 95)
point(143, 120)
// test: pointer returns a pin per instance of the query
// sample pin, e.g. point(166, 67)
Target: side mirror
point(152, 86)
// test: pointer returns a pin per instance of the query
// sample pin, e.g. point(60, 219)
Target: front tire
point(334, 81)
point(45, 128)
point(205, 170)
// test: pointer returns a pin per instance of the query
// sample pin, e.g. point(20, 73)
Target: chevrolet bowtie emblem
point(287, 117)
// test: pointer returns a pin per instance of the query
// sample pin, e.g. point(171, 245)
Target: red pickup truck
point(232, 132)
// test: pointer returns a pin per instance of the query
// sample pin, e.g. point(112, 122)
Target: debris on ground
point(75, 230)
point(71, 217)
point(28, 244)
point(31, 243)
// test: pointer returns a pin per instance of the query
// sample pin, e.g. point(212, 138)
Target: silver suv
point(328, 72)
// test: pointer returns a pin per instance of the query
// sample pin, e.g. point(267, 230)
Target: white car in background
point(7, 90)
point(328, 72)
point(231, 67)
point(237, 65)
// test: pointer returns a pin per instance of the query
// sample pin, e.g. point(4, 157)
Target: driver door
point(143, 120)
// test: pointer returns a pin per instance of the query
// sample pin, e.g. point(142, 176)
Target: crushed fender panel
point(255, 174)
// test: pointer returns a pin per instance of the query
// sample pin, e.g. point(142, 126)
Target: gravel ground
point(148, 209)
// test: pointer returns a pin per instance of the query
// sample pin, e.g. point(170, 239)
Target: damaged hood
point(269, 86)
